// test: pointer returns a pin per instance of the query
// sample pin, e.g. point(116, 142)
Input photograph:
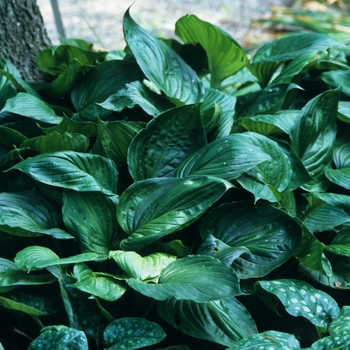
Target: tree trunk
point(23, 36)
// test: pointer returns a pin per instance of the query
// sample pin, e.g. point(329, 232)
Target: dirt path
point(100, 21)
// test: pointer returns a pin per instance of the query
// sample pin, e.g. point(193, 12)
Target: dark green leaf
point(161, 65)
point(183, 201)
point(270, 235)
point(187, 279)
point(73, 170)
point(29, 214)
point(225, 55)
point(222, 321)
point(132, 333)
point(90, 218)
point(31, 107)
point(301, 299)
point(228, 158)
point(60, 337)
point(159, 149)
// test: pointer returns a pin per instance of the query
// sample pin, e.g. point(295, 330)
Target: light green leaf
point(270, 236)
point(341, 243)
point(340, 177)
point(222, 321)
point(187, 279)
point(225, 56)
point(60, 337)
point(31, 107)
point(39, 257)
point(183, 201)
point(271, 340)
point(301, 299)
point(313, 136)
point(73, 170)
point(228, 158)
point(344, 111)
point(55, 142)
point(141, 268)
point(132, 333)
point(101, 286)
point(159, 149)
point(161, 65)
point(337, 78)
point(90, 218)
point(29, 214)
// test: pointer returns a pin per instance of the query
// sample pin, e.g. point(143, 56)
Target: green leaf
point(264, 101)
point(132, 333)
point(187, 279)
point(340, 177)
point(183, 201)
point(337, 78)
point(313, 136)
point(29, 214)
point(101, 286)
point(341, 151)
point(12, 276)
point(161, 65)
point(341, 243)
point(135, 94)
point(55, 142)
point(225, 55)
point(55, 59)
point(158, 150)
point(344, 111)
point(114, 138)
point(339, 337)
point(270, 55)
point(73, 170)
point(301, 299)
point(97, 229)
point(99, 84)
point(39, 257)
point(270, 235)
point(60, 337)
point(222, 321)
point(320, 216)
point(31, 107)
point(228, 158)
point(271, 340)
point(141, 268)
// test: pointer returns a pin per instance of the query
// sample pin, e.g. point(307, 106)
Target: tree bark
point(23, 36)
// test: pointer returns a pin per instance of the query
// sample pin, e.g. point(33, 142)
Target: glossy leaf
point(271, 340)
point(29, 214)
point(187, 279)
point(94, 234)
point(222, 321)
point(183, 201)
point(340, 177)
point(141, 268)
point(31, 107)
point(161, 65)
point(158, 150)
point(114, 138)
point(313, 136)
point(73, 170)
point(340, 244)
point(301, 299)
point(339, 337)
point(39, 257)
point(228, 158)
point(336, 78)
point(344, 111)
point(132, 333)
point(60, 337)
point(225, 56)
point(91, 282)
point(270, 235)
point(100, 83)
point(55, 142)
point(135, 94)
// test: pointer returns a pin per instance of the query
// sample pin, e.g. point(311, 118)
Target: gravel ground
point(100, 21)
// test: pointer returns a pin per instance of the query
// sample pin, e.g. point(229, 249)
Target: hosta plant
point(177, 194)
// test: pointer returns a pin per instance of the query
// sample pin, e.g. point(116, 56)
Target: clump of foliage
point(177, 195)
